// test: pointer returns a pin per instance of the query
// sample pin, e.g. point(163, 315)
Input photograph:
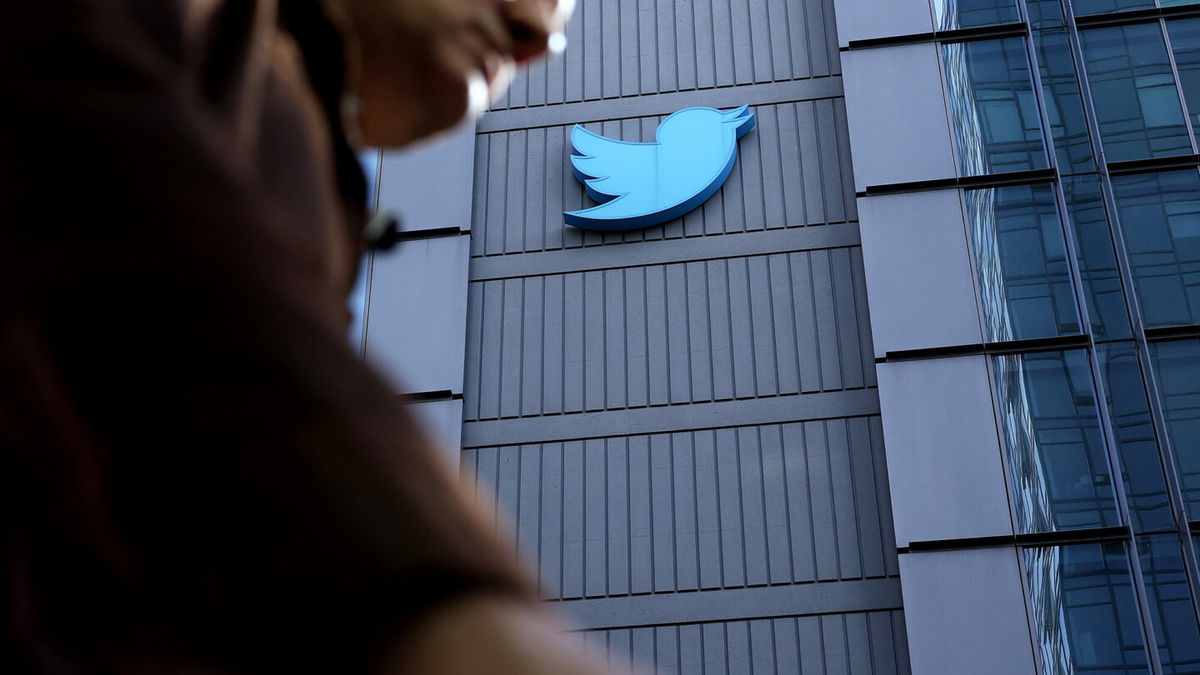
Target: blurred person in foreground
point(198, 473)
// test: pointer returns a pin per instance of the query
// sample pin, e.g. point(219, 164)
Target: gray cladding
point(623, 48)
point(966, 612)
point(855, 643)
point(859, 20)
point(943, 450)
point(915, 248)
point(711, 509)
point(440, 166)
point(793, 171)
point(899, 129)
point(416, 313)
point(680, 425)
point(737, 328)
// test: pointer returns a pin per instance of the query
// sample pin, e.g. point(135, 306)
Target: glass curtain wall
point(1075, 124)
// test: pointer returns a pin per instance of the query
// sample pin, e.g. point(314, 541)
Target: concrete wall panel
point(943, 451)
point(416, 316)
point(965, 613)
point(874, 19)
point(919, 278)
point(899, 129)
point(428, 185)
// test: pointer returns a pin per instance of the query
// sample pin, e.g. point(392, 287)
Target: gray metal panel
point(712, 509)
point(965, 612)
point(444, 420)
point(792, 171)
point(872, 19)
point(943, 453)
point(631, 47)
point(736, 328)
point(429, 185)
point(918, 269)
point(858, 643)
point(757, 602)
point(812, 406)
point(659, 104)
point(416, 314)
point(899, 130)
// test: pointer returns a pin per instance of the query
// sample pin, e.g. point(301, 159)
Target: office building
point(918, 390)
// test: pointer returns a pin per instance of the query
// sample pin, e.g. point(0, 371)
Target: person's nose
point(534, 24)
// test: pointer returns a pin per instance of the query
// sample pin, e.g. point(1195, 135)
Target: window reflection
point(956, 14)
point(1064, 105)
point(1133, 432)
point(1133, 88)
point(1185, 44)
point(1177, 366)
point(1170, 601)
point(995, 116)
point(1084, 611)
point(1045, 13)
point(1056, 454)
point(1024, 278)
point(1160, 221)
point(1097, 261)
point(1087, 7)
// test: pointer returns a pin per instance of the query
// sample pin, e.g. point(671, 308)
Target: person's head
point(420, 65)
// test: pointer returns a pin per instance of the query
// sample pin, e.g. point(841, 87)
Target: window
point(1085, 614)
point(1064, 105)
point(1133, 433)
point(1185, 45)
point(956, 14)
point(1057, 459)
point(1170, 602)
point(1160, 221)
point(993, 111)
point(1024, 279)
point(1097, 261)
point(1087, 7)
point(1133, 89)
point(1177, 365)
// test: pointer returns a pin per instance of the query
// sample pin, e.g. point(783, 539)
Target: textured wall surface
point(680, 425)
point(633, 47)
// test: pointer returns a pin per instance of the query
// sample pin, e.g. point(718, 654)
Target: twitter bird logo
point(644, 184)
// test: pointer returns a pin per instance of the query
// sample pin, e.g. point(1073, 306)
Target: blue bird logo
point(644, 184)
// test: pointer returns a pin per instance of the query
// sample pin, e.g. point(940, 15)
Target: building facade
point(1030, 219)
point(918, 390)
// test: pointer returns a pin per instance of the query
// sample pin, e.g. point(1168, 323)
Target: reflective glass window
point(1133, 89)
point(1097, 261)
point(1024, 279)
point(1087, 7)
point(955, 14)
point(1177, 367)
point(1185, 44)
point(1045, 13)
point(995, 116)
point(1057, 459)
point(1064, 105)
point(1160, 221)
point(1170, 601)
point(1133, 432)
point(1084, 611)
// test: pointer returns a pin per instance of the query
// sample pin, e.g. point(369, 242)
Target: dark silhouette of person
point(198, 474)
